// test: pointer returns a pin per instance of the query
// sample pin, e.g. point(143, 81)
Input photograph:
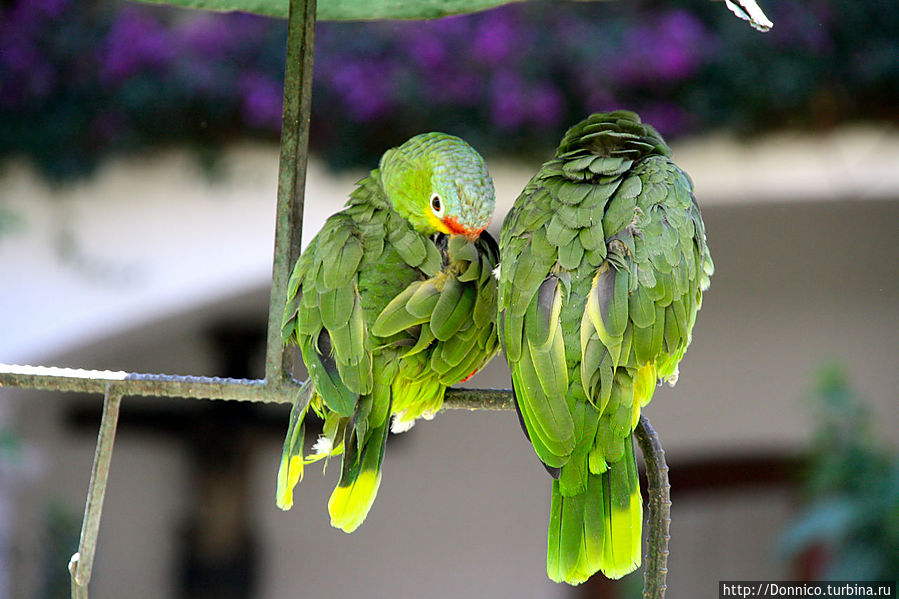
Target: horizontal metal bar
point(50, 378)
point(132, 383)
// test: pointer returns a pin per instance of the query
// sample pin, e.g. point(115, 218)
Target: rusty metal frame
point(279, 386)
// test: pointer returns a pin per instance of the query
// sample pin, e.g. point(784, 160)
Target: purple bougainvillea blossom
point(365, 87)
point(669, 118)
point(669, 49)
point(427, 50)
point(495, 38)
point(547, 106)
point(208, 36)
point(136, 41)
point(262, 100)
point(455, 87)
point(517, 73)
point(509, 102)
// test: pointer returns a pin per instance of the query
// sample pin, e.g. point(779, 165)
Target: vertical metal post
point(291, 174)
point(82, 562)
point(659, 493)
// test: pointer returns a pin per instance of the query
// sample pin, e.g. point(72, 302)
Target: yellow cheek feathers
point(437, 223)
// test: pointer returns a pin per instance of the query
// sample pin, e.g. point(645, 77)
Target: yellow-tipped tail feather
point(623, 527)
point(360, 478)
point(290, 472)
point(349, 505)
point(599, 529)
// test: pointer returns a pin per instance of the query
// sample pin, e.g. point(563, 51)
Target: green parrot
point(392, 302)
point(603, 264)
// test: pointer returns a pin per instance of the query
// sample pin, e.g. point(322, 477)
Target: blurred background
point(138, 166)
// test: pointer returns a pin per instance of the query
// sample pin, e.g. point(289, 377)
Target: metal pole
point(82, 562)
point(291, 176)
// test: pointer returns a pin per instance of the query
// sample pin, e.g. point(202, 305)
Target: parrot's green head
point(439, 183)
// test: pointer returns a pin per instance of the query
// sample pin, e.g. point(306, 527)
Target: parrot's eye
point(437, 205)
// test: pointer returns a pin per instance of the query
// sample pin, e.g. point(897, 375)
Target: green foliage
point(852, 489)
point(348, 10)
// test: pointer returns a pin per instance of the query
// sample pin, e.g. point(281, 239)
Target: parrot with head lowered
point(603, 264)
point(393, 301)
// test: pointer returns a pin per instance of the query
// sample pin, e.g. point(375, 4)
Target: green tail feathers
point(291, 470)
point(360, 478)
point(363, 453)
point(598, 529)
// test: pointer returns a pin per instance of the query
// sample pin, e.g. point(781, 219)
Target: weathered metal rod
point(291, 176)
point(82, 563)
point(48, 378)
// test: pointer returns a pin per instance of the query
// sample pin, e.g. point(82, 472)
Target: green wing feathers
point(444, 327)
point(324, 315)
point(604, 262)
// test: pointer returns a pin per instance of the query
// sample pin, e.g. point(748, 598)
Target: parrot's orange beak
point(454, 227)
point(457, 229)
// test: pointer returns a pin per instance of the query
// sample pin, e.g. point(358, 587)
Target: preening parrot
point(392, 302)
point(603, 264)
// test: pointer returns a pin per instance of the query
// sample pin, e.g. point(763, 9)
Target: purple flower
point(365, 87)
point(600, 100)
point(509, 100)
point(668, 50)
point(667, 117)
point(454, 87)
point(675, 62)
point(29, 75)
point(682, 28)
point(427, 50)
point(135, 41)
point(547, 105)
point(262, 100)
point(495, 37)
point(208, 36)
